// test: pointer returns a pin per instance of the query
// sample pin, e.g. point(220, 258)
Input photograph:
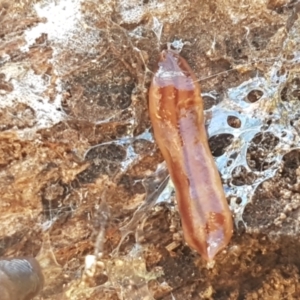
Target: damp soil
point(61, 185)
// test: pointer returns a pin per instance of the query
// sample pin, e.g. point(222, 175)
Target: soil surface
point(81, 176)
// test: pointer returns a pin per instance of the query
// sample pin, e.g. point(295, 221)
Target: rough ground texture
point(78, 164)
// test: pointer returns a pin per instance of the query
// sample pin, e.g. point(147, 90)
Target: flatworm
point(176, 113)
